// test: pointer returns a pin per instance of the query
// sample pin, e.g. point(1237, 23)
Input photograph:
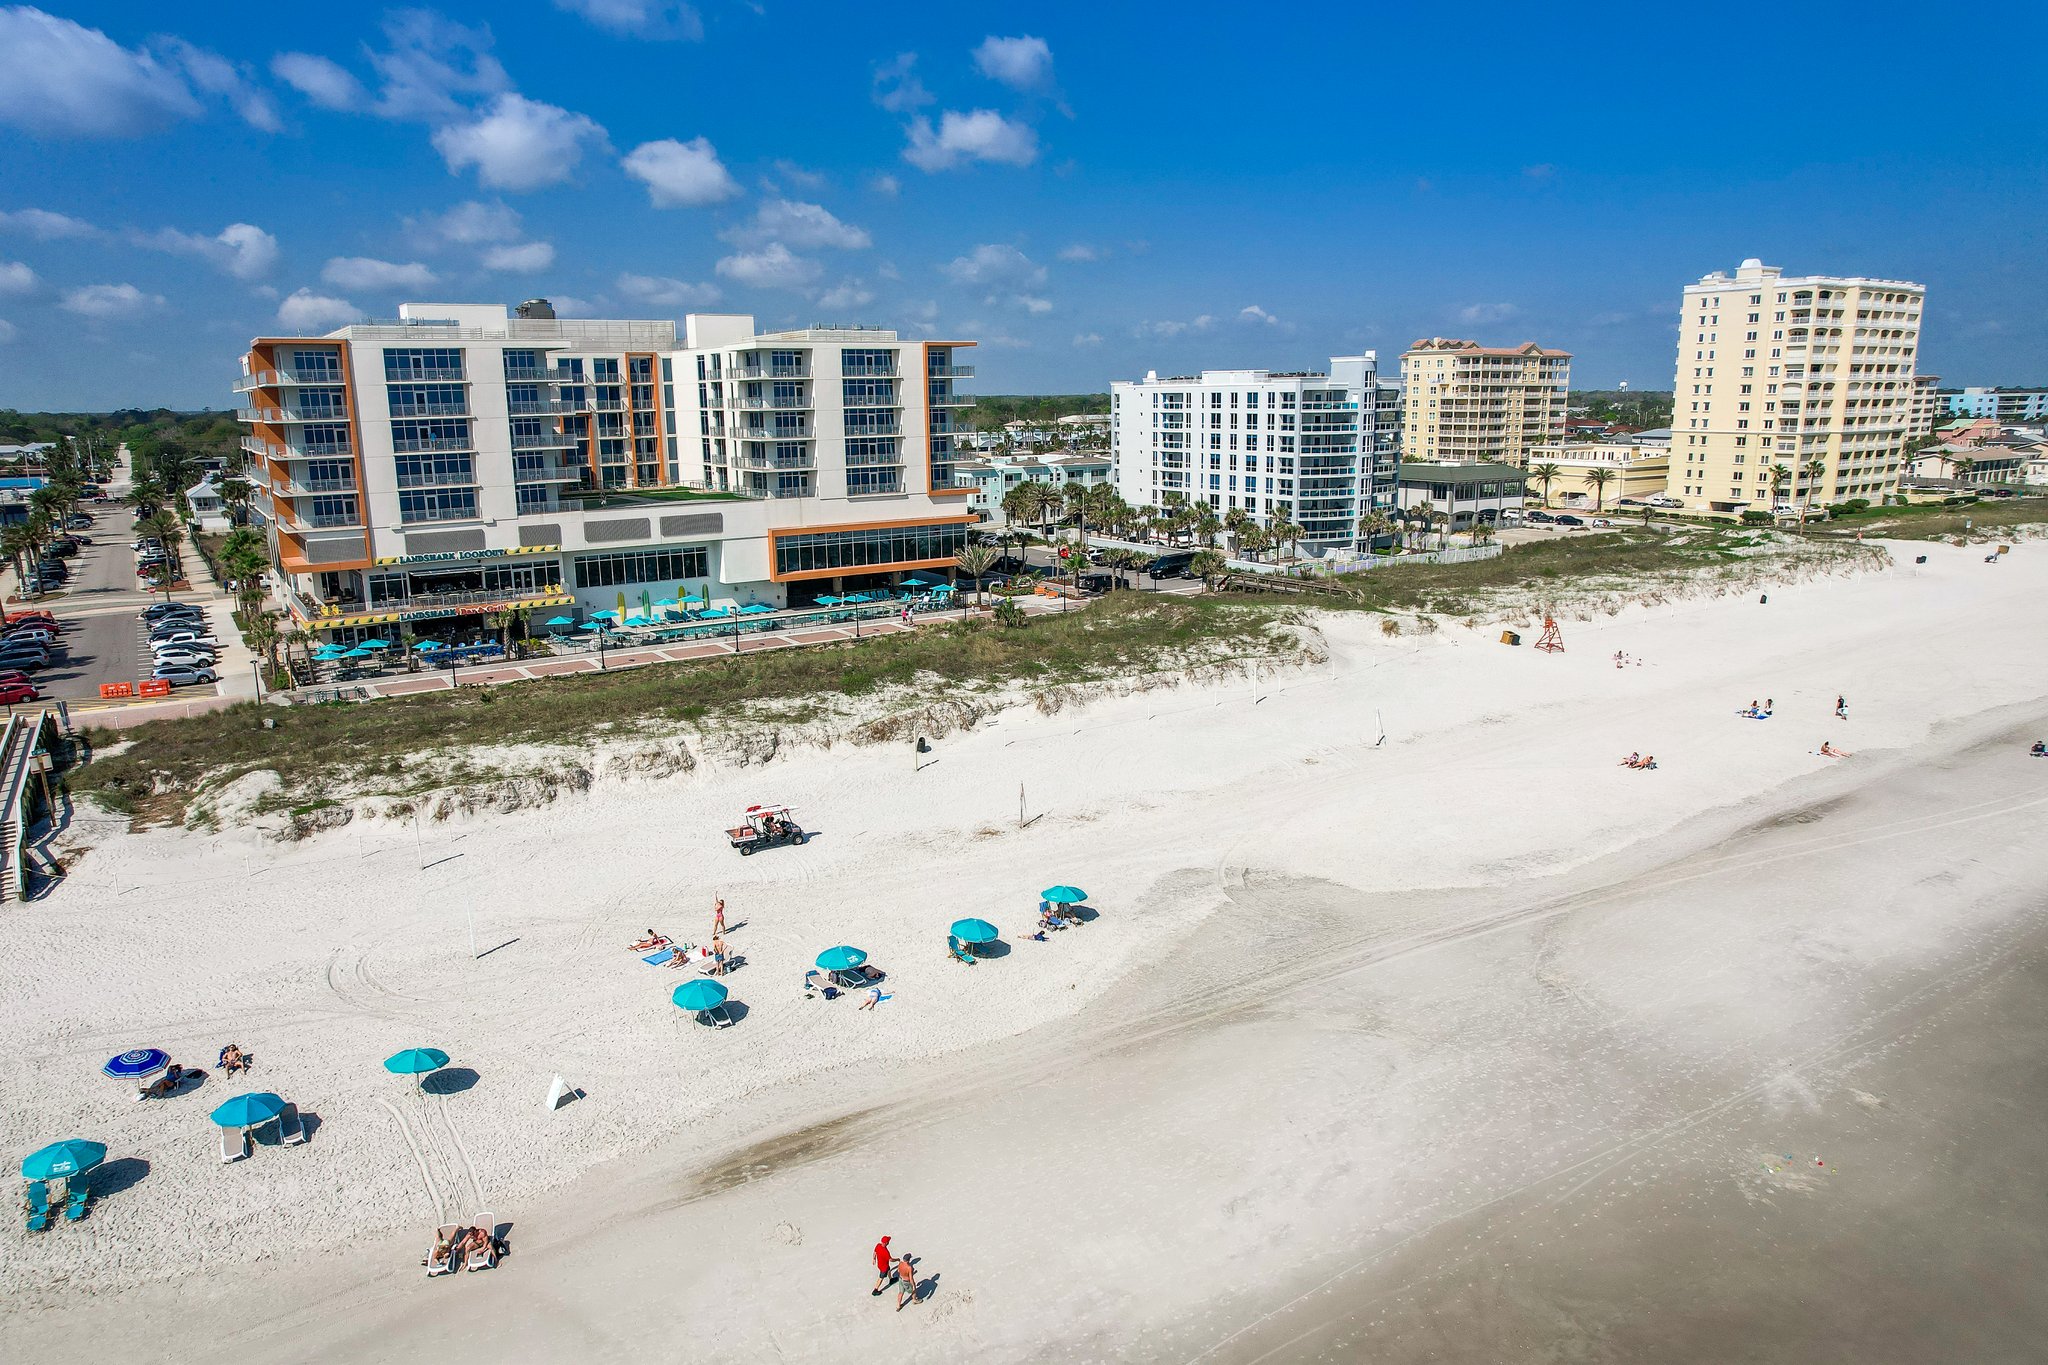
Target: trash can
point(1509, 637)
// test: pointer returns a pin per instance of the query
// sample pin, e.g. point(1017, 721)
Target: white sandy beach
point(1341, 999)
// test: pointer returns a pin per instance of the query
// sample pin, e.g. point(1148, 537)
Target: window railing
point(533, 374)
point(544, 440)
point(437, 478)
point(429, 444)
point(420, 374)
point(431, 410)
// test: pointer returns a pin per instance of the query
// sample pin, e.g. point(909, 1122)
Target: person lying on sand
point(232, 1060)
point(1647, 762)
point(653, 940)
point(1632, 761)
point(172, 1078)
point(1828, 750)
point(2040, 749)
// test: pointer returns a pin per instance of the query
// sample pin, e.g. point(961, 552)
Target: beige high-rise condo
point(1465, 403)
point(1792, 390)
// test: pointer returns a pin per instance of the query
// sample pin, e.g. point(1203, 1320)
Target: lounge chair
point(291, 1129)
point(818, 983)
point(36, 1200)
point(959, 951)
point(487, 1259)
point(449, 1233)
point(716, 1016)
point(234, 1144)
point(78, 1192)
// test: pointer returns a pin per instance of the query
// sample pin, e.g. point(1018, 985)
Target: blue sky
point(1090, 191)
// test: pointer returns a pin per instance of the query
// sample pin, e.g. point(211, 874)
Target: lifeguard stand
point(1551, 639)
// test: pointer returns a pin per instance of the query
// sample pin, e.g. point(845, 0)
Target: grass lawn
point(172, 761)
point(1932, 521)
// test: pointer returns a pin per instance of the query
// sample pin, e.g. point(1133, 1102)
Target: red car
point(12, 694)
point(14, 677)
point(32, 618)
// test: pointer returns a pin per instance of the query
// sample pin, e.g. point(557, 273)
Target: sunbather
point(232, 1060)
point(173, 1077)
point(474, 1242)
point(2040, 749)
point(1633, 760)
point(1828, 750)
point(441, 1257)
point(679, 955)
point(653, 940)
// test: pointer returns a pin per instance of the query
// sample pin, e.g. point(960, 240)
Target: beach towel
point(660, 956)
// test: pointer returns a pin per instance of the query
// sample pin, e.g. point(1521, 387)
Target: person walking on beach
point(906, 1282)
point(1842, 707)
point(885, 1268)
point(718, 918)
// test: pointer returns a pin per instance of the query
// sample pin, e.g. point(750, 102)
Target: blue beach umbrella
point(359, 652)
point(841, 959)
point(596, 625)
point(1064, 895)
point(374, 644)
point(561, 620)
point(974, 931)
point(329, 652)
point(429, 646)
point(138, 1065)
point(701, 994)
point(716, 612)
point(756, 609)
point(638, 620)
point(830, 601)
point(59, 1160)
point(604, 615)
point(415, 1061)
point(246, 1111)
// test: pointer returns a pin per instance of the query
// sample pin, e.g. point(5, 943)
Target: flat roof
point(1458, 473)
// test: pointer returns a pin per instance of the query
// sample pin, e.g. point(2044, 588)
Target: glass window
point(443, 363)
point(437, 504)
point(645, 566)
point(428, 400)
point(867, 550)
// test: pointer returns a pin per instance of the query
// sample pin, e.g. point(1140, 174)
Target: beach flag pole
point(1020, 805)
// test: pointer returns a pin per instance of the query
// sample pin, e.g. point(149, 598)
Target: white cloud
point(1487, 312)
point(1543, 170)
point(8, 331)
point(800, 225)
point(1020, 63)
point(520, 144)
point(897, 87)
point(61, 79)
point(885, 184)
point(995, 263)
point(567, 307)
point(109, 300)
point(654, 19)
point(1082, 251)
point(1087, 338)
point(474, 222)
point(1254, 313)
point(1174, 328)
point(431, 61)
point(242, 249)
point(367, 272)
point(46, 226)
point(799, 176)
point(681, 174)
point(324, 82)
point(16, 278)
point(217, 75)
point(980, 135)
point(311, 314)
point(668, 293)
point(772, 267)
point(523, 257)
point(1031, 304)
point(846, 294)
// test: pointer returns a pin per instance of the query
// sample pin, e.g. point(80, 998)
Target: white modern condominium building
point(1792, 389)
point(463, 460)
point(1316, 449)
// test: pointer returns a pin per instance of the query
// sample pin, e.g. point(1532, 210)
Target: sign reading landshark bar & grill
point(455, 556)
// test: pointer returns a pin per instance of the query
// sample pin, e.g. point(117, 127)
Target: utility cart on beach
point(765, 827)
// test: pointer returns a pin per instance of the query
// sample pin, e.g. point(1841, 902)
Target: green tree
point(975, 561)
point(1545, 474)
point(1372, 526)
point(1211, 567)
point(1597, 478)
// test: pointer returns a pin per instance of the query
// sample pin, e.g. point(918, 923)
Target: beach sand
point(1467, 1045)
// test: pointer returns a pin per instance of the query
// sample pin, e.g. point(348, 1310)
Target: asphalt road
point(101, 609)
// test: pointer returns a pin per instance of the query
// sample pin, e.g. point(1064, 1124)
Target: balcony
point(542, 407)
point(543, 440)
point(790, 433)
point(425, 374)
point(280, 416)
point(301, 488)
point(318, 521)
point(532, 374)
point(769, 372)
point(272, 379)
point(874, 428)
point(777, 404)
point(601, 405)
point(887, 371)
point(949, 372)
point(873, 461)
point(437, 478)
point(766, 461)
point(545, 471)
point(430, 410)
point(429, 445)
point(952, 400)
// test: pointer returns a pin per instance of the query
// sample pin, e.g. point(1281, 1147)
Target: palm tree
point(1119, 560)
point(1543, 474)
point(17, 545)
point(1423, 512)
point(1482, 533)
point(1022, 503)
point(1210, 566)
point(1964, 467)
point(975, 561)
point(1373, 525)
point(1286, 533)
point(1442, 522)
point(1141, 562)
point(1235, 521)
point(1597, 478)
point(1205, 526)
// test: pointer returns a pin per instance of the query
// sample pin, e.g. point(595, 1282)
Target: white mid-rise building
point(1811, 373)
point(462, 460)
point(1317, 449)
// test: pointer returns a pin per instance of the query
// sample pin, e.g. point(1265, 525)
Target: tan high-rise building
point(1812, 374)
point(1464, 403)
point(1926, 412)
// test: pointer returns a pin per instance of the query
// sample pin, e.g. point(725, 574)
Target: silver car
point(181, 675)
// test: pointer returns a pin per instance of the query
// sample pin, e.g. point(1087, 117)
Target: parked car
point(1541, 518)
point(183, 658)
point(1663, 500)
point(26, 661)
point(180, 630)
point(12, 675)
point(181, 675)
point(1571, 522)
point(157, 610)
point(1601, 521)
point(79, 522)
point(13, 694)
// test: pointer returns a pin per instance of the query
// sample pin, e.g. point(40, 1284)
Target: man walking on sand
point(885, 1268)
point(906, 1281)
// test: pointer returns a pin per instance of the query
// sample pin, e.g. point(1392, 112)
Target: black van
point(1172, 564)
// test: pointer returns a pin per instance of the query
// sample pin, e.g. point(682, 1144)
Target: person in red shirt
point(885, 1268)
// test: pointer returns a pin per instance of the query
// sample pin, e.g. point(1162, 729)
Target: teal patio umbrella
point(429, 646)
point(1064, 895)
point(374, 644)
point(61, 1160)
point(416, 1061)
point(246, 1111)
point(841, 958)
point(699, 995)
point(974, 931)
point(561, 620)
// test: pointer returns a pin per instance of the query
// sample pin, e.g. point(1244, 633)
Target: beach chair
point(234, 1144)
point(487, 1259)
point(448, 1232)
point(291, 1129)
point(79, 1191)
point(716, 1016)
point(959, 951)
point(817, 983)
point(36, 1200)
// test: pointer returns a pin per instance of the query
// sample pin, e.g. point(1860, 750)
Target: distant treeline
point(993, 409)
point(192, 435)
point(1648, 409)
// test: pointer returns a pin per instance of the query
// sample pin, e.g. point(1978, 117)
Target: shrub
point(1858, 504)
point(1756, 518)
